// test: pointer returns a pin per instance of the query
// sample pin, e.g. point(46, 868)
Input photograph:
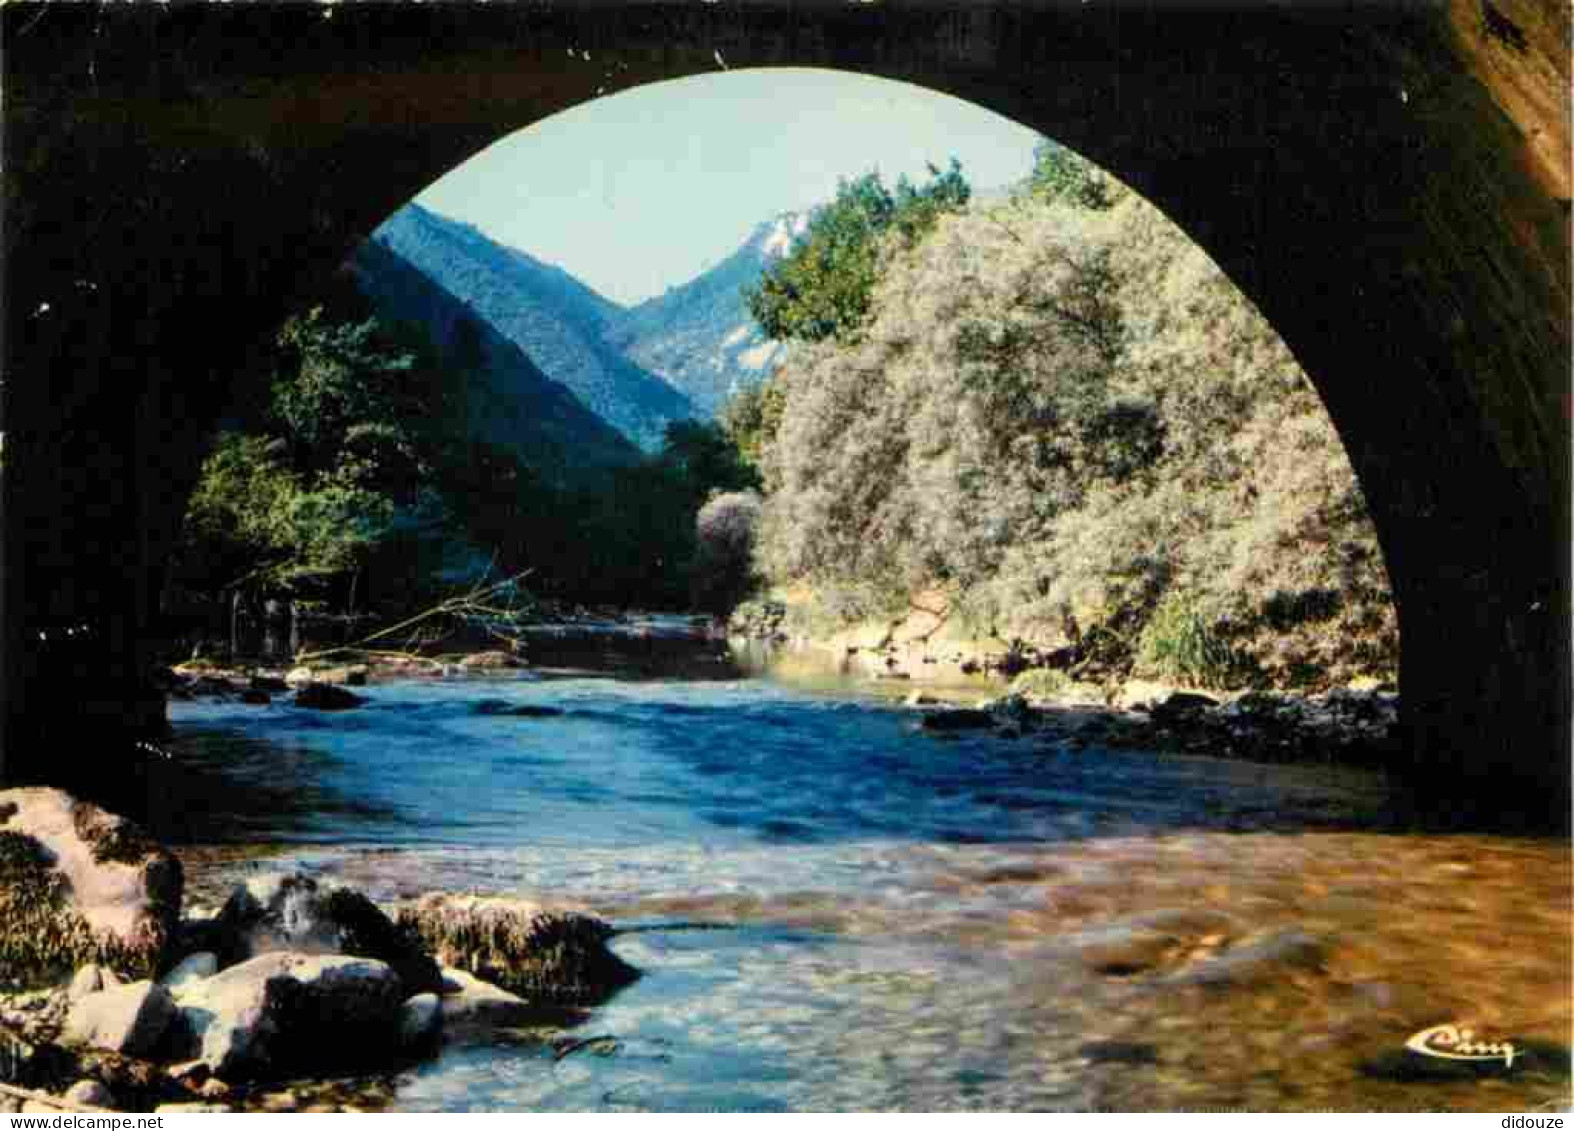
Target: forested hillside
point(558, 322)
point(507, 400)
point(1059, 414)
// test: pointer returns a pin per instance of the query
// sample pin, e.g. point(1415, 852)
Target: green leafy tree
point(343, 465)
point(703, 458)
point(1060, 175)
point(822, 288)
point(752, 415)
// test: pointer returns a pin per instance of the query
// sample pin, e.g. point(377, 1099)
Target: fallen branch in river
point(473, 605)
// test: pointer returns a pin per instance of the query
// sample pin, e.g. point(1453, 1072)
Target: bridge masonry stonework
point(1389, 182)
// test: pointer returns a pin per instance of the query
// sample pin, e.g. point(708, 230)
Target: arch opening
point(1412, 354)
point(899, 352)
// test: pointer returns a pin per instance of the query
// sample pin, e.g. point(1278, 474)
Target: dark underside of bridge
point(1387, 181)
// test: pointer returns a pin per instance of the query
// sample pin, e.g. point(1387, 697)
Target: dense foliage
point(341, 469)
point(723, 573)
point(359, 485)
point(822, 288)
point(1059, 413)
point(1059, 176)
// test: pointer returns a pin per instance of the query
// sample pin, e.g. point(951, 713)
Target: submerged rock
point(79, 885)
point(1267, 959)
point(539, 954)
point(516, 710)
point(1119, 1052)
point(1152, 942)
point(471, 1008)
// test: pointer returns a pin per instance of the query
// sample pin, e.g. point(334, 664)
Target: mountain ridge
point(509, 401)
point(699, 335)
point(561, 324)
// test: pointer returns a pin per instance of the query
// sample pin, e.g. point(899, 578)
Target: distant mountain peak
point(700, 336)
point(775, 238)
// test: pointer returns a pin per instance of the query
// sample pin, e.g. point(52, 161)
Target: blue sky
point(644, 189)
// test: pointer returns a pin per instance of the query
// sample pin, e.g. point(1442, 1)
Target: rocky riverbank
point(1344, 726)
point(1016, 692)
point(261, 1003)
point(627, 639)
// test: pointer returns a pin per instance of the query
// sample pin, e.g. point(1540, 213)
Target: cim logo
point(1449, 1042)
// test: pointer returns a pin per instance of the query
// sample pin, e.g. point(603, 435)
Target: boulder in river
point(1152, 942)
point(326, 697)
point(345, 675)
point(957, 718)
point(288, 1010)
point(79, 885)
point(1179, 707)
point(540, 954)
point(472, 1009)
point(192, 968)
point(1271, 958)
point(421, 1024)
point(129, 1019)
point(491, 661)
point(293, 912)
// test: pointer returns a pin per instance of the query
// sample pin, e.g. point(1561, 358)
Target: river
point(902, 921)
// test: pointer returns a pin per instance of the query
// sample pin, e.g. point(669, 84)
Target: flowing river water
point(832, 910)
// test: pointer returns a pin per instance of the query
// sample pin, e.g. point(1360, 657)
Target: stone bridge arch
point(1388, 182)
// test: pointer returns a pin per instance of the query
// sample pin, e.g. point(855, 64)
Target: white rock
point(192, 968)
point(480, 1006)
point(87, 980)
point(1136, 694)
point(125, 1019)
point(289, 1007)
point(90, 1092)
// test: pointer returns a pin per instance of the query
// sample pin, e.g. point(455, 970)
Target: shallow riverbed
point(834, 911)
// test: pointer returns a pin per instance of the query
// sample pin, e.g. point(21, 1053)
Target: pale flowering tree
point(723, 571)
point(1066, 417)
